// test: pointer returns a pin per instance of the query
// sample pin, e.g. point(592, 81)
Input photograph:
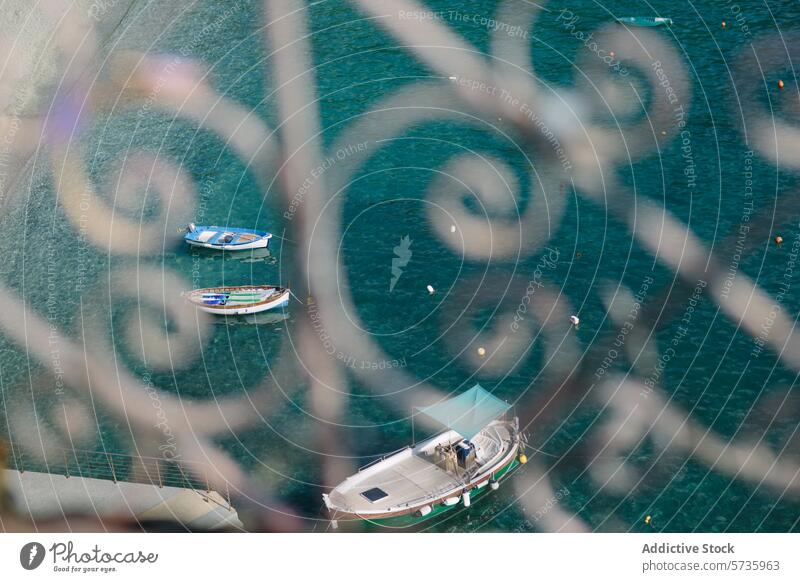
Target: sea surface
point(714, 382)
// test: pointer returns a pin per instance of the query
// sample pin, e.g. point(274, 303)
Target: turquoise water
point(712, 374)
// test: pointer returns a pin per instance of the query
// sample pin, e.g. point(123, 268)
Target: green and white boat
point(480, 448)
point(238, 300)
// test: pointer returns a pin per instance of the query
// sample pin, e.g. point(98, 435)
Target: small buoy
point(452, 228)
point(481, 352)
point(612, 54)
point(663, 132)
point(425, 510)
point(453, 78)
point(778, 240)
point(647, 520)
point(431, 290)
point(574, 320)
point(494, 485)
point(523, 459)
point(724, 24)
point(780, 84)
point(465, 498)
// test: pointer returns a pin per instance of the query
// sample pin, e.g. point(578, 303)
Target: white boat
point(647, 21)
point(437, 474)
point(239, 300)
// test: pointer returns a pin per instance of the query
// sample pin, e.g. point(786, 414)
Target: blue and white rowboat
point(226, 239)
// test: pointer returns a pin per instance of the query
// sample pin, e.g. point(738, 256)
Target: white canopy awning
point(467, 413)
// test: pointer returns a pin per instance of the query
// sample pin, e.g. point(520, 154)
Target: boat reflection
point(254, 256)
point(246, 256)
point(265, 318)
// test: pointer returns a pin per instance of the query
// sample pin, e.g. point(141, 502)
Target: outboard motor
point(191, 227)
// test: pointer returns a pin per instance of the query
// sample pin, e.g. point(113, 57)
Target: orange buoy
point(724, 24)
point(778, 240)
point(780, 84)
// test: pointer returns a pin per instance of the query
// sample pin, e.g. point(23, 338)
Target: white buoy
point(431, 290)
point(574, 320)
point(494, 485)
point(465, 498)
point(481, 352)
point(453, 78)
point(452, 228)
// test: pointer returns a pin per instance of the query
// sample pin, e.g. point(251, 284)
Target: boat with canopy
point(479, 448)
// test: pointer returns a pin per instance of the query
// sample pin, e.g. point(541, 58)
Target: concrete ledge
point(38, 496)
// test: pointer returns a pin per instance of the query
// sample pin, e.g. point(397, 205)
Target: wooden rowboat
point(226, 239)
point(439, 473)
point(238, 300)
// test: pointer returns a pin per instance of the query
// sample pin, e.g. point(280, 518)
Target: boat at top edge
point(226, 238)
point(645, 20)
point(478, 449)
point(238, 300)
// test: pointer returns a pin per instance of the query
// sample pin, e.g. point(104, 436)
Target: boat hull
point(261, 243)
point(411, 519)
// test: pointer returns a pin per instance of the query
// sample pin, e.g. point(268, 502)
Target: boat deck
point(405, 478)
